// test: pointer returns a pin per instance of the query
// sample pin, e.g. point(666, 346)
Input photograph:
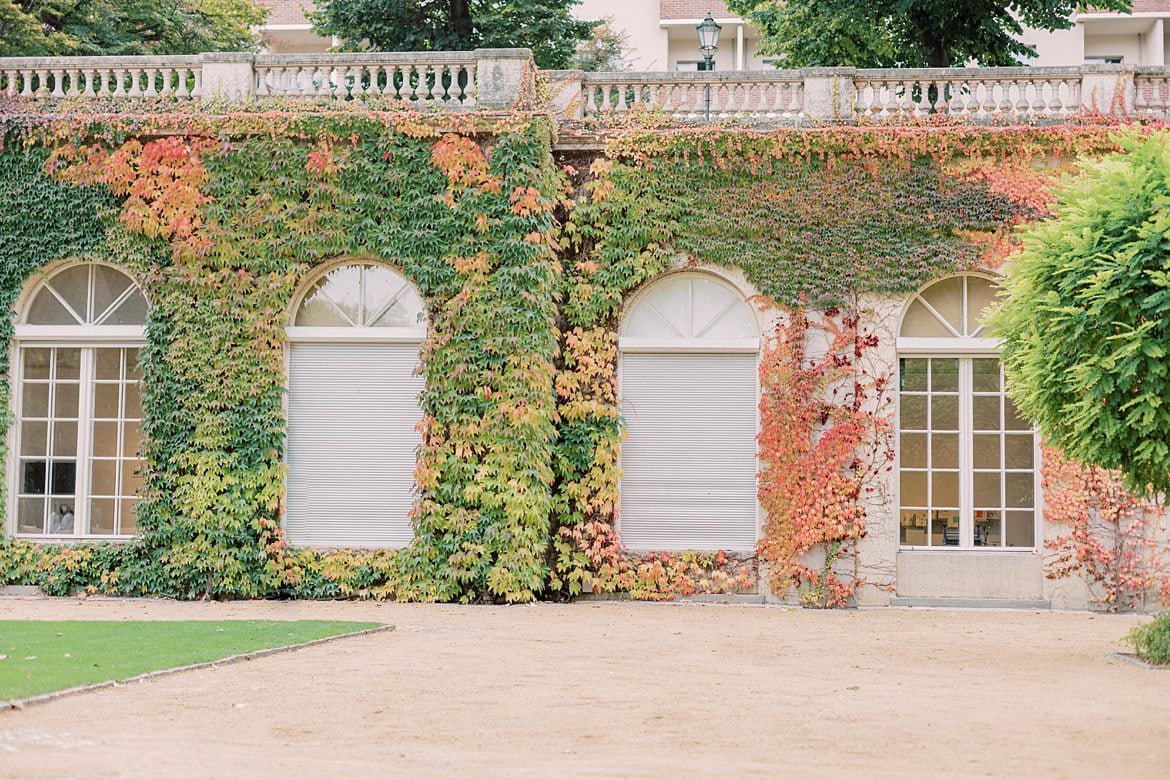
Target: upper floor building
point(660, 34)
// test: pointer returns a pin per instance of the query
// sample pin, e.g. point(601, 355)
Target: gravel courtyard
point(618, 690)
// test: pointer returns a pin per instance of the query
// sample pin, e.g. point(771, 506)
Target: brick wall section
point(694, 9)
point(286, 11)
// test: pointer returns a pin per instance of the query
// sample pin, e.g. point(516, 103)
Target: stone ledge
point(967, 603)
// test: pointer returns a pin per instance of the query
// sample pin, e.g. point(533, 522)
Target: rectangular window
point(967, 475)
point(78, 417)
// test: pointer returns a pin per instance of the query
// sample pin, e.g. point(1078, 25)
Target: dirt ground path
point(618, 690)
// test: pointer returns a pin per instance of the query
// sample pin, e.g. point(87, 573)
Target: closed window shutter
point(352, 412)
point(689, 459)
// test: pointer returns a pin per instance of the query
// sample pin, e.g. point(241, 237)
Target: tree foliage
point(48, 28)
point(545, 26)
point(905, 33)
point(1086, 322)
point(604, 50)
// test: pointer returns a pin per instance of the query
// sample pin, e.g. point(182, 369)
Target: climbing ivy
point(523, 267)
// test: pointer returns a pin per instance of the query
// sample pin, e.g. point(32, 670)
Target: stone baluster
point(181, 90)
point(433, 78)
point(456, 90)
point(132, 79)
point(1021, 106)
point(1039, 106)
point(414, 77)
point(1005, 104)
point(729, 102)
point(471, 93)
point(889, 99)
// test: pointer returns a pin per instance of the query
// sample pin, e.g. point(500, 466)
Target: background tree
point(545, 26)
point(114, 27)
point(905, 33)
point(1086, 321)
point(604, 51)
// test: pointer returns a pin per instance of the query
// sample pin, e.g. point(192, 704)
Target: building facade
point(661, 34)
point(419, 309)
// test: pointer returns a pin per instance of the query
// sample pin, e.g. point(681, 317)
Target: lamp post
point(708, 44)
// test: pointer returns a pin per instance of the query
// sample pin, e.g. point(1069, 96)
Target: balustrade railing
point(1152, 93)
point(744, 96)
point(56, 78)
point(1014, 93)
point(446, 80)
point(502, 79)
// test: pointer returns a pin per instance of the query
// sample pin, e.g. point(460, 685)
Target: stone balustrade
point(1151, 93)
point(444, 79)
point(47, 78)
point(491, 79)
point(762, 95)
point(975, 93)
point(503, 79)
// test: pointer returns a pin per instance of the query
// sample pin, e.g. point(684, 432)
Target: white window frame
point(87, 338)
point(323, 334)
point(343, 334)
point(636, 345)
point(963, 348)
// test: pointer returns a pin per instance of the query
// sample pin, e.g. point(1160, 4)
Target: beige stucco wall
point(646, 45)
point(1059, 47)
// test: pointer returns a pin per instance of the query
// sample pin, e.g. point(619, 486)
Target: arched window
point(353, 409)
point(689, 389)
point(361, 296)
point(78, 405)
point(967, 460)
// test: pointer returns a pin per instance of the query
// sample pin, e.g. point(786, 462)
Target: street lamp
point(709, 44)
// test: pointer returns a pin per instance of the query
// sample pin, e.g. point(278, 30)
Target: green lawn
point(38, 656)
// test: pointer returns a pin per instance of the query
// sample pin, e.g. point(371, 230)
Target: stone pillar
point(1107, 89)
point(561, 94)
point(829, 94)
point(228, 76)
point(1153, 45)
point(504, 79)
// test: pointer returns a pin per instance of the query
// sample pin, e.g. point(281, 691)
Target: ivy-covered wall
point(523, 264)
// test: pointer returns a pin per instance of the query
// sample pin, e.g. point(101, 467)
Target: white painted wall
point(647, 46)
point(1059, 47)
point(1127, 46)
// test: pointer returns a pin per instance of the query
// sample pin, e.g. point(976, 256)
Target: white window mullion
point(966, 450)
point(50, 437)
point(15, 472)
point(1003, 402)
point(84, 436)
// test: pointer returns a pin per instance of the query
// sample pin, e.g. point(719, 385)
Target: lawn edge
point(44, 698)
point(1132, 658)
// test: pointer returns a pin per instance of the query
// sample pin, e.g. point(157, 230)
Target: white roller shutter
point(352, 411)
point(689, 459)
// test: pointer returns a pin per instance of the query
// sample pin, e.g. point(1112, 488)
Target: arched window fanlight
point(361, 296)
point(951, 308)
point(690, 306)
point(88, 295)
